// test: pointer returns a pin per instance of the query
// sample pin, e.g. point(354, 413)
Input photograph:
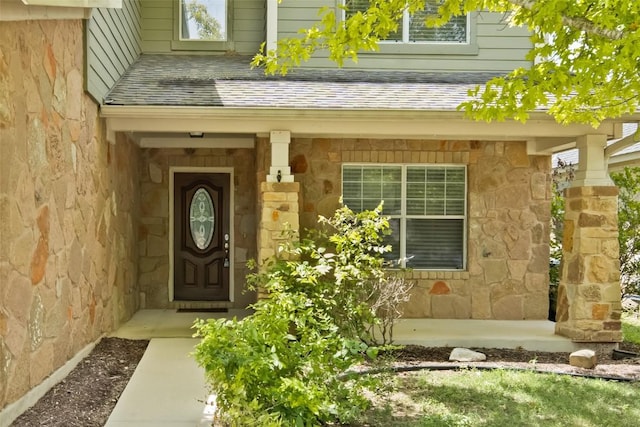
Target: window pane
point(454, 31)
point(394, 240)
point(435, 243)
point(392, 207)
point(392, 190)
point(455, 174)
point(455, 207)
point(416, 174)
point(203, 20)
point(435, 207)
point(416, 191)
point(455, 191)
point(371, 174)
point(372, 190)
point(415, 207)
point(435, 191)
point(351, 174)
point(351, 190)
point(436, 174)
point(392, 174)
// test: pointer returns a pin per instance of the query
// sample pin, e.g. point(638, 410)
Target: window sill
point(426, 49)
point(200, 45)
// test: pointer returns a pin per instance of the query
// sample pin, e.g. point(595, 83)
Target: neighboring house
point(141, 167)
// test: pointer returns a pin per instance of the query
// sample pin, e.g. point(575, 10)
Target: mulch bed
point(89, 393)
point(86, 397)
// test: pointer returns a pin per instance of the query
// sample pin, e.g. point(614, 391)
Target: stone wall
point(508, 220)
point(153, 232)
point(68, 203)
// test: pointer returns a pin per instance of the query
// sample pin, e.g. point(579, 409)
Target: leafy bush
point(628, 181)
point(285, 364)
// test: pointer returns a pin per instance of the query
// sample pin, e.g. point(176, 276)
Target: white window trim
point(390, 47)
point(403, 209)
point(178, 43)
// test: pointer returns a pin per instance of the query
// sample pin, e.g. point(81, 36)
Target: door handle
point(226, 250)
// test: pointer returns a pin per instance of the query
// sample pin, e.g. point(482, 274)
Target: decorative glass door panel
point(201, 218)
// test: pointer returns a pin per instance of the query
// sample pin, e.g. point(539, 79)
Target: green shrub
point(285, 364)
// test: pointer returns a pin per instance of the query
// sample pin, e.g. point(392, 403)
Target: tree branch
point(580, 23)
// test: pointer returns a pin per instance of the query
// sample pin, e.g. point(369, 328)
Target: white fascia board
point(28, 10)
point(408, 124)
point(116, 4)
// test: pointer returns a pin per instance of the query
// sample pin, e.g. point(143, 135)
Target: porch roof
point(173, 95)
point(229, 81)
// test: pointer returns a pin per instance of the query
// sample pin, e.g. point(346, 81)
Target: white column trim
point(272, 25)
point(592, 165)
point(280, 171)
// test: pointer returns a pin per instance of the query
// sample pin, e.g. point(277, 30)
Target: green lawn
point(506, 398)
point(631, 329)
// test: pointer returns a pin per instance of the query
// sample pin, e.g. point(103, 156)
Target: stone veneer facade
point(153, 231)
point(508, 220)
point(68, 203)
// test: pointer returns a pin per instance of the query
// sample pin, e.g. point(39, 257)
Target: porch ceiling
point(223, 95)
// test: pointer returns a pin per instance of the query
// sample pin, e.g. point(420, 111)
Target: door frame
point(197, 169)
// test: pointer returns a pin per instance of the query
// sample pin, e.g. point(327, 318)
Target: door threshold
point(203, 310)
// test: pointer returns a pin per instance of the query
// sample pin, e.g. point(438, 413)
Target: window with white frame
point(412, 28)
point(203, 20)
point(426, 205)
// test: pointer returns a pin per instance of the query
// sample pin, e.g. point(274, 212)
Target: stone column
point(589, 305)
point(280, 212)
point(279, 200)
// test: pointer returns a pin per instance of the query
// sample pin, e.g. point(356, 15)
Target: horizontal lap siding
point(249, 25)
point(113, 43)
point(249, 17)
point(500, 47)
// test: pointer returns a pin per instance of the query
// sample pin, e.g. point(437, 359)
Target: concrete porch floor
point(168, 388)
point(535, 335)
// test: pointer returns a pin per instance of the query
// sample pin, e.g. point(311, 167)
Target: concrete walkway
point(168, 388)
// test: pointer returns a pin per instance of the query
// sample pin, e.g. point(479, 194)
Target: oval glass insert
point(201, 218)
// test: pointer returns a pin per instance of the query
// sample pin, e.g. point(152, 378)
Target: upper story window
point(412, 28)
point(204, 20)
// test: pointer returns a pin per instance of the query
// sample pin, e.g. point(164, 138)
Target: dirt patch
point(86, 397)
point(89, 393)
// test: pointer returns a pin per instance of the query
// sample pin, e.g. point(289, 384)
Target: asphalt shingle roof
point(229, 81)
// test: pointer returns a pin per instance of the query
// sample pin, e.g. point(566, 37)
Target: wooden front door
point(202, 237)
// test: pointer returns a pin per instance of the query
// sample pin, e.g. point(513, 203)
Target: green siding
point(495, 45)
point(113, 43)
point(248, 26)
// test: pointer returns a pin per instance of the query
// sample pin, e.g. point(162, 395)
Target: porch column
point(279, 200)
point(589, 305)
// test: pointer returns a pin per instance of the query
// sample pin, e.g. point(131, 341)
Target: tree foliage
point(208, 27)
point(628, 181)
point(585, 56)
point(286, 364)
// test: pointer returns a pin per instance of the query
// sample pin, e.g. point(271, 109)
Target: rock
point(583, 359)
point(466, 355)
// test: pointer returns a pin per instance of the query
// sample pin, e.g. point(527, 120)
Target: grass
point(631, 329)
point(509, 398)
point(506, 398)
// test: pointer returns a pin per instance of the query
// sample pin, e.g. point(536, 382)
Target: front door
point(202, 236)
